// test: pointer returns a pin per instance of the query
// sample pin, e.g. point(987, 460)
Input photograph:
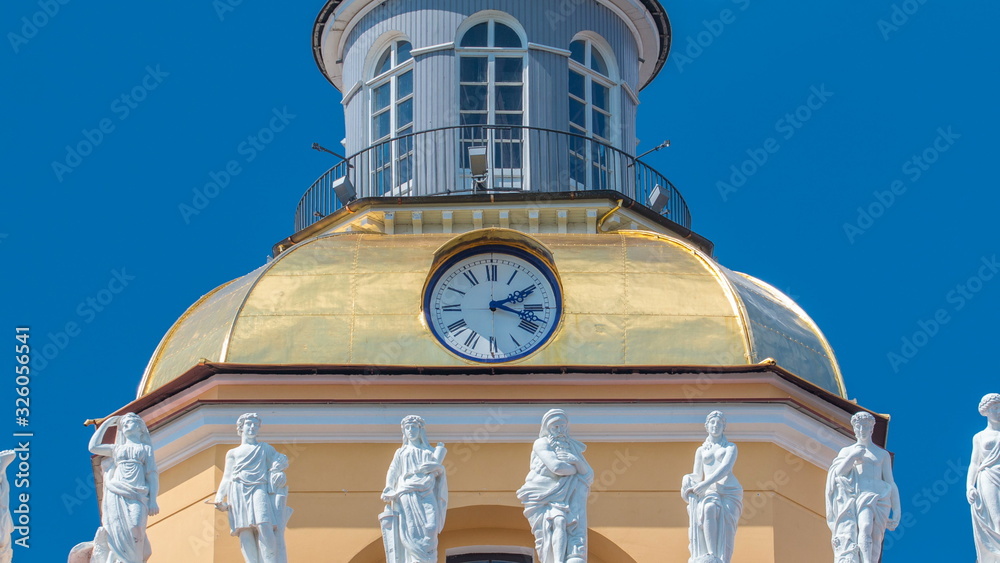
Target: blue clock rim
point(495, 249)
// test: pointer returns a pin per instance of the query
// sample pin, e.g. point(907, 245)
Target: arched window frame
point(486, 122)
point(592, 159)
point(391, 161)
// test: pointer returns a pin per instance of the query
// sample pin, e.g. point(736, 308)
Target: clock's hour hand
point(516, 297)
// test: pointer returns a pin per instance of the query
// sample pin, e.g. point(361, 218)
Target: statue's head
point(248, 424)
point(555, 424)
point(414, 431)
point(990, 402)
point(715, 423)
point(863, 424)
point(131, 427)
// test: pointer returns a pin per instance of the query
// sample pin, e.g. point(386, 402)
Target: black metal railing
point(518, 159)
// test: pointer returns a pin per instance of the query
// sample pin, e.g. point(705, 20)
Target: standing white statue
point(555, 492)
point(416, 493)
point(714, 496)
point(862, 500)
point(983, 485)
point(247, 493)
point(6, 523)
point(130, 487)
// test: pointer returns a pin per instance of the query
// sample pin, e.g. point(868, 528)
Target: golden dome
point(631, 298)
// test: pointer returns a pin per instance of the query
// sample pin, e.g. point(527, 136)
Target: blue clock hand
point(524, 315)
point(516, 297)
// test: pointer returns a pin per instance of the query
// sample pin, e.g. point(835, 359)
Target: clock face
point(493, 304)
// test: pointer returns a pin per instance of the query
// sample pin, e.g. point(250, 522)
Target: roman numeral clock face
point(493, 304)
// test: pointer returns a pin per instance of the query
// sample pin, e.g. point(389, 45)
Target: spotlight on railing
point(344, 189)
point(658, 199)
point(478, 167)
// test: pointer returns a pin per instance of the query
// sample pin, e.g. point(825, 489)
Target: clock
point(493, 303)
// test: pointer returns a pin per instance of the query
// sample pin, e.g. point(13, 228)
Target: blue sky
point(875, 207)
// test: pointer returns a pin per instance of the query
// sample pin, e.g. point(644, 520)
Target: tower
point(495, 139)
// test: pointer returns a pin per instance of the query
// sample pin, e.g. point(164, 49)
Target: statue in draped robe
point(714, 496)
point(983, 484)
point(555, 492)
point(130, 487)
point(416, 493)
point(247, 494)
point(862, 500)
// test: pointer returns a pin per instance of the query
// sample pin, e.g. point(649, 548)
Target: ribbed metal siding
point(434, 22)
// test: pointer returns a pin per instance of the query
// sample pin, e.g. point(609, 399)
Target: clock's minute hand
point(525, 315)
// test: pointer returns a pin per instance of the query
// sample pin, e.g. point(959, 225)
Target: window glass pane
point(506, 154)
point(384, 62)
point(403, 52)
point(576, 51)
point(509, 119)
point(504, 36)
point(476, 119)
point(404, 84)
point(508, 98)
point(473, 118)
point(576, 85)
point(474, 97)
point(509, 70)
point(380, 125)
point(578, 113)
point(474, 69)
point(403, 171)
point(380, 97)
point(597, 62)
point(405, 113)
point(600, 123)
point(476, 36)
point(600, 95)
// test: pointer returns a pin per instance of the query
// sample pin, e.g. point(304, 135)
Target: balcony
point(511, 160)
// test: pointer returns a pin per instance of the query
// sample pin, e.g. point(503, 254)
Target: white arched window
point(391, 94)
point(591, 87)
point(492, 55)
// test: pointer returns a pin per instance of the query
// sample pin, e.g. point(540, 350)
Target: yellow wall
point(635, 513)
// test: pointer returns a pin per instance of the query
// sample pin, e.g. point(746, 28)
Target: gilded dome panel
point(630, 298)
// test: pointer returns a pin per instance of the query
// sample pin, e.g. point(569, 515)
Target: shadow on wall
point(495, 525)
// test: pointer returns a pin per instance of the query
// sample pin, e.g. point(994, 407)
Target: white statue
point(862, 500)
point(555, 492)
point(130, 487)
point(251, 490)
point(714, 496)
point(983, 484)
point(6, 523)
point(416, 493)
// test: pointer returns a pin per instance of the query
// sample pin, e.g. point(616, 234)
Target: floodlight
point(477, 161)
point(344, 189)
point(658, 199)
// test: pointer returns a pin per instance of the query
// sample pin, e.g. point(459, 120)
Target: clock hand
point(516, 297)
point(524, 315)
